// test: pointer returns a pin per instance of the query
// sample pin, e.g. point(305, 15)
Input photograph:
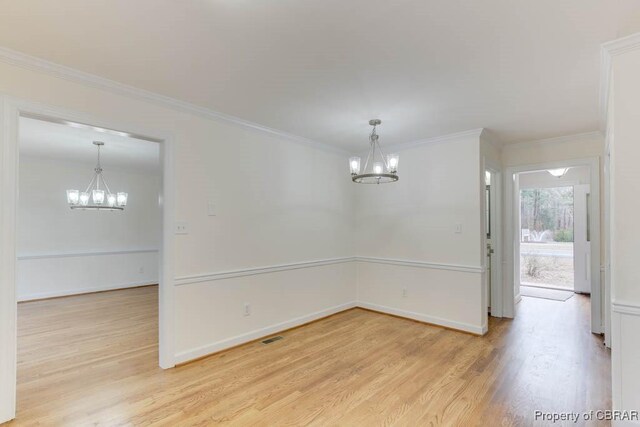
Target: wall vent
point(272, 339)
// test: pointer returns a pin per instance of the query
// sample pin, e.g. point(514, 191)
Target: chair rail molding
point(83, 254)
point(626, 307)
point(423, 264)
point(208, 277)
point(251, 271)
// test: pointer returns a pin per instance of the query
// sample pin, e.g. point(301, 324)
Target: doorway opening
point(88, 252)
point(555, 247)
point(552, 235)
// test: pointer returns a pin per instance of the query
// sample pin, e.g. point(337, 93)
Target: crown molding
point(607, 51)
point(33, 63)
point(557, 140)
point(435, 140)
point(622, 45)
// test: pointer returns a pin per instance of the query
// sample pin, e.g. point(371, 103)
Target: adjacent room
point(88, 237)
point(319, 213)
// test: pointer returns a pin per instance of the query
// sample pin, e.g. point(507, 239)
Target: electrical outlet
point(404, 292)
point(247, 309)
point(182, 227)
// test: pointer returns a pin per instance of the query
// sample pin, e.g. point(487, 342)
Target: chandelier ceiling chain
point(101, 200)
point(375, 171)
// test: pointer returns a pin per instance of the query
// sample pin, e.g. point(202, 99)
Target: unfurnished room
point(327, 213)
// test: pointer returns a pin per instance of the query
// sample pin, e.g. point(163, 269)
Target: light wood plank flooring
point(92, 360)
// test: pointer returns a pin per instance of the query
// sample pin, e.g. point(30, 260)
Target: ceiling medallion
point(100, 199)
point(378, 168)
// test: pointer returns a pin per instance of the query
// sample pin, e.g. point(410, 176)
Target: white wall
point(413, 262)
point(282, 237)
point(280, 204)
point(63, 251)
point(624, 134)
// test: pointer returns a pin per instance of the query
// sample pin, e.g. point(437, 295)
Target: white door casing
point(581, 239)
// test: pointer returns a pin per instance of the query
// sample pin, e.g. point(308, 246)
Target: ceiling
point(63, 142)
point(321, 69)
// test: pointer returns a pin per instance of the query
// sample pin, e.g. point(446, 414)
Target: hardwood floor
point(92, 360)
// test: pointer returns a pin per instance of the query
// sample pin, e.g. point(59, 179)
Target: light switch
point(181, 227)
point(458, 228)
point(211, 209)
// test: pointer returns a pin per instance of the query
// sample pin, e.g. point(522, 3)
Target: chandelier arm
point(384, 159)
point(95, 174)
point(366, 163)
point(105, 184)
point(373, 152)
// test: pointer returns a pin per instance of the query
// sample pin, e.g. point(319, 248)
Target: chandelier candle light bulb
point(122, 199)
point(80, 200)
point(354, 164)
point(392, 163)
point(73, 197)
point(378, 168)
point(84, 198)
point(98, 197)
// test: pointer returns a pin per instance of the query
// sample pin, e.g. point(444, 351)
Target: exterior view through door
point(554, 234)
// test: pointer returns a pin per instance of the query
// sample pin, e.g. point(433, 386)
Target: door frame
point(11, 109)
point(512, 234)
point(496, 303)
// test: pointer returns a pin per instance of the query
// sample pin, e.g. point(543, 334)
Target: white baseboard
point(69, 292)
point(205, 350)
point(478, 330)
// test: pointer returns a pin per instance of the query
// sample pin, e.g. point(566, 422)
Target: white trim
point(43, 295)
point(622, 45)
point(496, 303)
point(626, 307)
point(556, 140)
point(607, 51)
point(422, 264)
point(187, 355)
point(208, 277)
point(29, 62)
point(466, 327)
point(84, 254)
point(8, 309)
point(434, 140)
point(603, 91)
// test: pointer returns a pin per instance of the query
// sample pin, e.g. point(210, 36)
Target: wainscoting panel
point(625, 356)
point(222, 312)
point(59, 274)
point(443, 296)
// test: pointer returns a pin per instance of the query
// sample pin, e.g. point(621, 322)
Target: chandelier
point(95, 197)
point(378, 168)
